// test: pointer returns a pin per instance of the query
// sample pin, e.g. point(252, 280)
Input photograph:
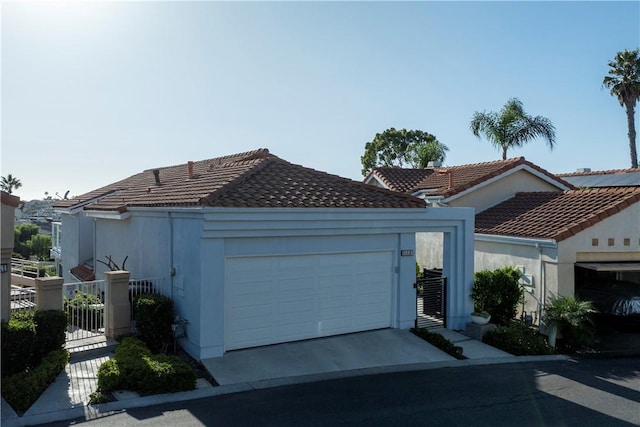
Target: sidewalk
point(68, 396)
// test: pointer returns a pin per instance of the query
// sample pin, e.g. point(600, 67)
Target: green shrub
point(498, 292)
point(518, 339)
point(134, 368)
point(24, 388)
point(154, 314)
point(18, 342)
point(439, 341)
point(86, 311)
point(165, 374)
point(51, 326)
point(109, 376)
point(29, 336)
point(573, 318)
point(131, 347)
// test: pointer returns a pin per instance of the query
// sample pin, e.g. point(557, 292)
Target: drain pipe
point(542, 298)
point(172, 269)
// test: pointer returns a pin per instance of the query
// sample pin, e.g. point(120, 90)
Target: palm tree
point(512, 127)
point(9, 183)
point(624, 83)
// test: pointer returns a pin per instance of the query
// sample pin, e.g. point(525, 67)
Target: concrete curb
point(91, 412)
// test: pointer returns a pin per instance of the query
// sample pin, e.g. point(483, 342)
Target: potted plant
point(571, 318)
point(480, 317)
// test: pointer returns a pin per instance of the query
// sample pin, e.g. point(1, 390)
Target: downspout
point(172, 270)
point(542, 298)
point(95, 248)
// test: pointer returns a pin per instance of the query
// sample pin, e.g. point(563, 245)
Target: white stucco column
point(406, 278)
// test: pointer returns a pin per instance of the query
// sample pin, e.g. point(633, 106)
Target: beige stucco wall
point(539, 263)
point(582, 248)
point(500, 190)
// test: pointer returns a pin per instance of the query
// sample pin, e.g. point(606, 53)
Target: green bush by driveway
point(134, 368)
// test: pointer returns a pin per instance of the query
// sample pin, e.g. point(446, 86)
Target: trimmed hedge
point(155, 314)
point(439, 341)
point(18, 343)
point(50, 331)
point(22, 389)
point(518, 339)
point(135, 368)
point(29, 336)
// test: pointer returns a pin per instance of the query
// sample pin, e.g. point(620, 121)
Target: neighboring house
point(558, 238)
point(586, 178)
point(8, 205)
point(479, 186)
point(261, 251)
point(530, 218)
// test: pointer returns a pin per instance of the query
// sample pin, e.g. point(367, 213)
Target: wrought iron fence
point(431, 301)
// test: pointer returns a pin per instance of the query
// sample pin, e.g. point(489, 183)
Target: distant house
point(258, 251)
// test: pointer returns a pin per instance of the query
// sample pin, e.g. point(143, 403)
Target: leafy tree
point(40, 245)
point(9, 183)
point(27, 241)
point(512, 127)
point(397, 148)
point(623, 82)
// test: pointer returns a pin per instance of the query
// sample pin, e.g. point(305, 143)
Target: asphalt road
point(591, 392)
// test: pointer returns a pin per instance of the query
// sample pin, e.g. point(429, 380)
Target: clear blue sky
point(93, 93)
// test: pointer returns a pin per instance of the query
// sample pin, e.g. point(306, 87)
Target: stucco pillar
point(8, 205)
point(49, 293)
point(118, 307)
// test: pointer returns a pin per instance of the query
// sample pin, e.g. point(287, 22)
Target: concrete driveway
point(371, 349)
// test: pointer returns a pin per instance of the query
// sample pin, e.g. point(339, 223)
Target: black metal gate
point(431, 302)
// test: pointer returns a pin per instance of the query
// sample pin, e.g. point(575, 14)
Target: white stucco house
point(559, 236)
point(258, 251)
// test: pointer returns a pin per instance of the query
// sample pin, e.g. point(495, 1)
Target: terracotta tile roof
point(436, 181)
point(253, 179)
point(554, 215)
point(9, 199)
point(83, 273)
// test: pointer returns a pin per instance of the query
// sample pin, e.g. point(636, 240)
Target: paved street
point(597, 392)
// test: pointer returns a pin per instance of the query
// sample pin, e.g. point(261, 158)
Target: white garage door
point(286, 298)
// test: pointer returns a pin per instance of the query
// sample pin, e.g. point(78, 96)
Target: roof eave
point(516, 240)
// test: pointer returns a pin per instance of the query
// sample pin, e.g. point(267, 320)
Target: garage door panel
point(299, 308)
point(286, 298)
